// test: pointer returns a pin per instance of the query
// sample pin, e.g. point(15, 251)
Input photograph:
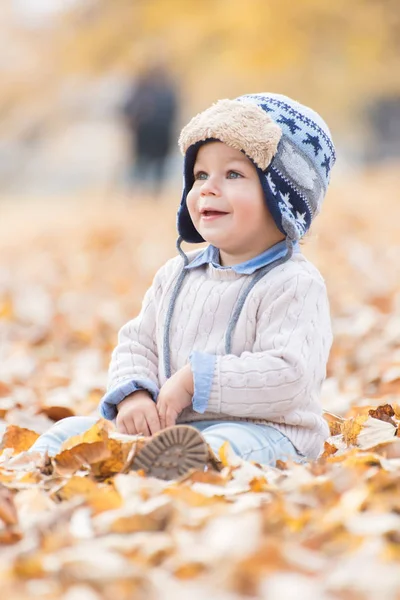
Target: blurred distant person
point(150, 113)
point(384, 116)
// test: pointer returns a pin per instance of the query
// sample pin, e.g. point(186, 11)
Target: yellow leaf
point(225, 453)
point(329, 449)
point(351, 428)
point(6, 308)
point(258, 484)
point(85, 449)
point(79, 456)
point(99, 496)
point(18, 438)
point(119, 453)
point(334, 421)
point(189, 570)
point(97, 433)
point(29, 566)
point(156, 520)
point(190, 497)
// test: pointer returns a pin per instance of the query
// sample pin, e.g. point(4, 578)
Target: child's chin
point(214, 241)
point(213, 237)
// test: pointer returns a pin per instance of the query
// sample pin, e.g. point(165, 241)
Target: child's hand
point(137, 414)
point(175, 395)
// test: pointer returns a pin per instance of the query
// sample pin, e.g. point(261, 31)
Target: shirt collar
point(210, 255)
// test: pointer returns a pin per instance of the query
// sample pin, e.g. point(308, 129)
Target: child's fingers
point(170, 417)
point(141, 425)
point(126, 425)
point(153, 421)
point(161, 408)
point(121, 427)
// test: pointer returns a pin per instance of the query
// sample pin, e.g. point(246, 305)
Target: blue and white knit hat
point(289, 144)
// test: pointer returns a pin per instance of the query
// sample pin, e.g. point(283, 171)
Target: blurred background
point(69, 68)
point(93, 94)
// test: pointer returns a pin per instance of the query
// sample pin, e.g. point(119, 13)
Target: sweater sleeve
point(134, 361)
point(287, 366)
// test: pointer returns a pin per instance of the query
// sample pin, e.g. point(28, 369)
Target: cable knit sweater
point(280, 346)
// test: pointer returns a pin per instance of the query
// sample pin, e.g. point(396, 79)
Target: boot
point(172, 453)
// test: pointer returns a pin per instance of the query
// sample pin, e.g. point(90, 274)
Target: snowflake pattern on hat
point(297, 178)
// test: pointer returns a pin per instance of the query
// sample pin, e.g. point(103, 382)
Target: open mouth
point(212, 213)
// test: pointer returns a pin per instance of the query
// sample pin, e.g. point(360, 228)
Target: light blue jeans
point(260, 443)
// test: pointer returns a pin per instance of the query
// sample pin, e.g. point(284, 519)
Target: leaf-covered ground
point(82, 526)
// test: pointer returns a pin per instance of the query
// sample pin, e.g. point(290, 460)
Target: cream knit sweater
point(280, 345)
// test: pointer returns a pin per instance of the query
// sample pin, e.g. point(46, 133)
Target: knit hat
point(289, 144)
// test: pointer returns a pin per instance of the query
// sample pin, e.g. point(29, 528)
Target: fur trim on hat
point(240, 125)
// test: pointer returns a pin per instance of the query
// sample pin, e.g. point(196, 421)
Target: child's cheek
point(191, 203)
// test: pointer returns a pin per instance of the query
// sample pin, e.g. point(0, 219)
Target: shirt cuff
point(202, 366)
point(112, 398)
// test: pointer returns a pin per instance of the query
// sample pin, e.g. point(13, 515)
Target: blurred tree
point(335, 56)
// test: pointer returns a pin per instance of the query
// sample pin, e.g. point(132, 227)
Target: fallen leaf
point(335, 422)
point(351, 428)
point(189, 570)
point(100, 497)
point(384, 413)
point(18, 438)
point(56, 413)
point(329, 449)
point(190, 497)
point(118, 455)
point(97, 433)
point(8, 512)
point(84, 449)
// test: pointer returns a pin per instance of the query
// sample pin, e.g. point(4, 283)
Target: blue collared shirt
point(210, 255)
point(202, 364)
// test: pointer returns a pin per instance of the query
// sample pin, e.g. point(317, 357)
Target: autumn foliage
point(83, 526)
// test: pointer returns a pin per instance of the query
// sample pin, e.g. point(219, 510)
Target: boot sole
point(172, 453)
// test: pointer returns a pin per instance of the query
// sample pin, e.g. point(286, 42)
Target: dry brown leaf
point(384, 413)
point(85, 449)
point(118, 455)
point(18, 438)
point(56, 413)
point(329, 450)
point(82, 455)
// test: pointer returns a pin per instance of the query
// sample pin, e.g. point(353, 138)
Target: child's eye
point(200, 175)
point(234, 175)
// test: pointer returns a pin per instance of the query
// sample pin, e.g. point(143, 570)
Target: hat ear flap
point(184, 224)
point(186, 229)
point(287, 206)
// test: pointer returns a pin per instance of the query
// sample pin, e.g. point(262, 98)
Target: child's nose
point(210, 187)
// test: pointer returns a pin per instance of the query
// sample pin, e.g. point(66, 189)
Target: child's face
point(227, 206)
